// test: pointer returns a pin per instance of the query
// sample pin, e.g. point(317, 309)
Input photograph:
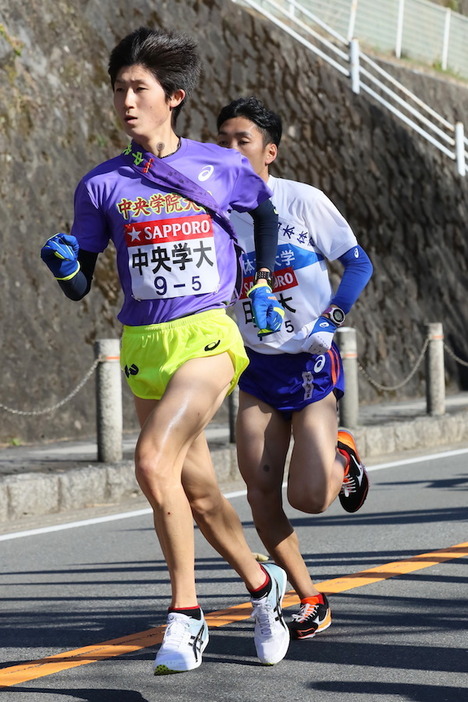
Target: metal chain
point(378, 386)
point(455, 358)
point(389, 388)
point(47, 410)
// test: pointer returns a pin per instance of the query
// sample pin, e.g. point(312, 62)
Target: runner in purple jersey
point(164, 203)
point(165, 238)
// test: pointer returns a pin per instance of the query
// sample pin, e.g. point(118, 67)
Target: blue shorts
point(289, 382)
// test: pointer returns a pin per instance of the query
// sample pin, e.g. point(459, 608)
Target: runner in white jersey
point(295, 376)
point(163, 203)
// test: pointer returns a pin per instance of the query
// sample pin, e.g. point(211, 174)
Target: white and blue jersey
point(311, 231)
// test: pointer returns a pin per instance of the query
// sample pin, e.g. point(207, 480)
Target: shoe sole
point(351, 445)
point(165, 670)
point(365, 477)
point(355, 508)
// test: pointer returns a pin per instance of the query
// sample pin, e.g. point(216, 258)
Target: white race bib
point(172, 257)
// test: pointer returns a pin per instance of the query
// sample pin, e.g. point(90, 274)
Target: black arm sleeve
point(265, 221)
point(80, 284)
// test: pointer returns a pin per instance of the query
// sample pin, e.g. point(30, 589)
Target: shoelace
point(306, 610)
point(264, 616)
point(177, 632)
point(349, 485)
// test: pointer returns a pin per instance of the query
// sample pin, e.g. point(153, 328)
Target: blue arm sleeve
point(265, 221)
point(357, 272)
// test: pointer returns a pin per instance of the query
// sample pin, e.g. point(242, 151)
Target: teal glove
point(60, 254)
point(267, 311)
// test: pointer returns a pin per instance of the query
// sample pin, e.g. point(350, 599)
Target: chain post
point(108, 401)
point(233, 406)
point(435, 373)
point(349, 403)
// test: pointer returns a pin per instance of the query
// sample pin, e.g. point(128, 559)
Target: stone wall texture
point(404, 200)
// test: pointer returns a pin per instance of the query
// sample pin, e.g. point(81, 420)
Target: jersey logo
point(133, 370)
point(206, 173)
point(213, 345)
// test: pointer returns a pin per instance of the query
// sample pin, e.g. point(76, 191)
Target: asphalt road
point(399, 632)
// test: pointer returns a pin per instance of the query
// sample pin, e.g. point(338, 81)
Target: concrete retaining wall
point(53, 490)
point(404, 200)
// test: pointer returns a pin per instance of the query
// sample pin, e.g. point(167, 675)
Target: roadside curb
point(418, 433)
point(75, 485)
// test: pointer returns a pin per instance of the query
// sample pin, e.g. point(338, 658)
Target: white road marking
point(229, 495)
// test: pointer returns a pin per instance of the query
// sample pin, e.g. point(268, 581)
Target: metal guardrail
point(367, 76)
point(414, 29)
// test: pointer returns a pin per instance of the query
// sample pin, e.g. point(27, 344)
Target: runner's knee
point(308, 501)
point(154, 475)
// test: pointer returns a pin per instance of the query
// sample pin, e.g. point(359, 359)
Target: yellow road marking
point(24, 672)
point(390, 570)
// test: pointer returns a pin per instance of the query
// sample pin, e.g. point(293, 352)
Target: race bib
point(172, 257)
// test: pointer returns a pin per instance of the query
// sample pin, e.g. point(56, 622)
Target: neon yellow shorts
point(151, 354)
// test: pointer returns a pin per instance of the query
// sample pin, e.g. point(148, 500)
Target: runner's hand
point(267, 311)
point(319, 335)
point(60, 254)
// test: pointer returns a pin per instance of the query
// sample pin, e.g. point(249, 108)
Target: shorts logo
point(206, 173)
point(307, 384)
point(133, 370)
point(212, 346)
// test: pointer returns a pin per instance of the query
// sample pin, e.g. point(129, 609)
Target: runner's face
point(141, 104)
point(243, 135)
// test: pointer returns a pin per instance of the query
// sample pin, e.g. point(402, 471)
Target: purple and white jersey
point(168, 221)
point(311, 230)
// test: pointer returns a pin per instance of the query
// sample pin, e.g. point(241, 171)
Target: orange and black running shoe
point(314, 616)
point(355, 482)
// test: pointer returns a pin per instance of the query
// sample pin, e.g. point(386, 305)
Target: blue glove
point(60, 254)
point(267, 311)
point(319, 335)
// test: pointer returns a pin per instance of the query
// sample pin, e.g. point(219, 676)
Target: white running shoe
point(271, 632)
point(184, 641)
